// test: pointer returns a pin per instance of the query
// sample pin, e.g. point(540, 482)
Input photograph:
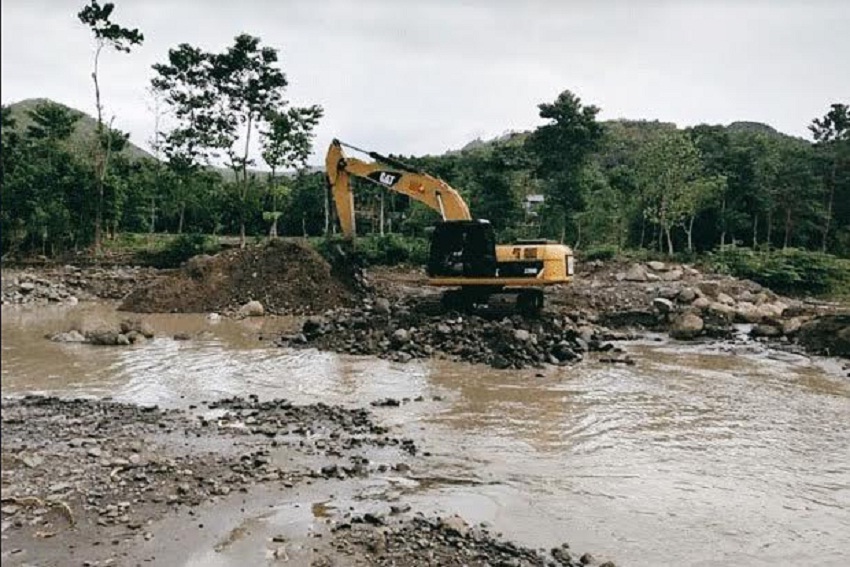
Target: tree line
point(221, 115)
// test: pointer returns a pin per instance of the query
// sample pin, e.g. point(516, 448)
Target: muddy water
point(696, 455)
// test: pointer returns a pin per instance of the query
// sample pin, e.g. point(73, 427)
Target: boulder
point(828, 334)
point(711, 289)
point(636, 273)
point(791, 327)
point(725, 299)
point(651, 277)
point(522, 335)
point(72, 336)
point(401, 336)
point(701, 303)
point(764, 330)
point(672, 276)
point(686, 295)
point(382, 306)
point(657, 266)
point(663, 305)
point(687, 326)
point(252, 309)
point(103, 337)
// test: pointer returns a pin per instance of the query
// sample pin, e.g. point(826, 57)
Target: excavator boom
point(391, 174)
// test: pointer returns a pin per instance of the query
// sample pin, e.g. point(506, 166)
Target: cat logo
point(387, 179)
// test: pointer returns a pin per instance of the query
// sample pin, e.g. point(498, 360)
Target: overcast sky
point(424, 76)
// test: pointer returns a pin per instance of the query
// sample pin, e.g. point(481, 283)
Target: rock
point(313, 326)
point(636, 273)
point(652, 277)
point(122, 340)
point(213, 317)
point(26, 287)
point(401, 336)
point(252, 309)
point(725, 299)
point(522, 335)
point(687, 326)
point(103, 338)
point(686, 295)
point(701, 303)
point(828, 334)
point(663, 305)
point(455, 525)
point(763, 330)
point(672, 276)
point(657, 266)
point(790, 327)
point(182, 336)
point(691, 271)
point(747, 313)
point(32, 461)
point(382, 306)
point(72, 336)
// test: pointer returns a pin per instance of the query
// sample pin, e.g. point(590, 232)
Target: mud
point(88, 480)
point(69, 284)
point(284, 276)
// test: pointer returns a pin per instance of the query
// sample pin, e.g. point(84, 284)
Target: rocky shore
point(85, 481)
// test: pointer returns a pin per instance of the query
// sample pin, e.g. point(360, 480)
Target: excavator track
point(495, 305)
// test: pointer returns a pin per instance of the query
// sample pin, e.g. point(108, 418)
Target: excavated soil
point(286, 277)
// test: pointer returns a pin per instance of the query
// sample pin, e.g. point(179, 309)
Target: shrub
point(602, 252)
point(791, 271)
point(181, 249)
point(374, 250)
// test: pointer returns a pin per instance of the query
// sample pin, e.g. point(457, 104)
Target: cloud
point(422, 77)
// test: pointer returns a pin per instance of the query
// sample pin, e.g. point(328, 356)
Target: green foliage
point(180, 249)
point(375, 250)
point(790, 271)
point(602, 252)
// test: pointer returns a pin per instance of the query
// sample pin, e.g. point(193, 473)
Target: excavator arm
point(390, 174)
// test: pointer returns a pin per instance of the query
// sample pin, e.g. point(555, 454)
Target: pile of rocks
point(706, 309)
point(401, 334)
point(129, 332)
point(450, 541)
point(69, 284)
point(31, 289)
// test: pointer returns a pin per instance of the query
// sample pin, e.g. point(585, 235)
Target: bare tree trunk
point(690, 231)
point(769, 229)
point(100, 162)
point(153, 215)
point(182, 215)
point(669, 241)
point(755, 231)
point(244, 183)
point(788, 225)
point(723, 222)
point(829, 207)
point(327, 211)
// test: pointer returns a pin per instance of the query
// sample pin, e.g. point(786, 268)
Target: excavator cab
point(463, 248)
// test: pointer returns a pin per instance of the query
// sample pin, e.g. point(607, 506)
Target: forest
point(72, 182)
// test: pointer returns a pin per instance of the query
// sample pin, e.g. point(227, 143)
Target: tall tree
point(107, 34)
point(563, 147)
point(287, 142)
point(832, 137)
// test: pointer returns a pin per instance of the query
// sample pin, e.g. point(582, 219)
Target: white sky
point(425, 76)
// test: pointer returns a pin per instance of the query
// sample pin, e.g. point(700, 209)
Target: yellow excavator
point(463, 252)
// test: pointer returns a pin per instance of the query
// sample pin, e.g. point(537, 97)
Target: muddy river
point(697, 455)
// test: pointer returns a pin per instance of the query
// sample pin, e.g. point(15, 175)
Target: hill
point(84, 129)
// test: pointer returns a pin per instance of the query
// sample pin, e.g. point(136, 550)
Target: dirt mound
point(287, 277)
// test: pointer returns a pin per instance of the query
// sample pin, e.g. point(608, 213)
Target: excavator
point(463, 253)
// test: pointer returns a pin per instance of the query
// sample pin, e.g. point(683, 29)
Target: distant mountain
point(84, 130)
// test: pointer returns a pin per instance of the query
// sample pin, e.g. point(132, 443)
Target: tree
point(106, 34)
point(286, 142)
point(832, 137)
point(669, 171)
point(563, 147)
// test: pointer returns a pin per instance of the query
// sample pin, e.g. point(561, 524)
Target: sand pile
point(287, 277)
